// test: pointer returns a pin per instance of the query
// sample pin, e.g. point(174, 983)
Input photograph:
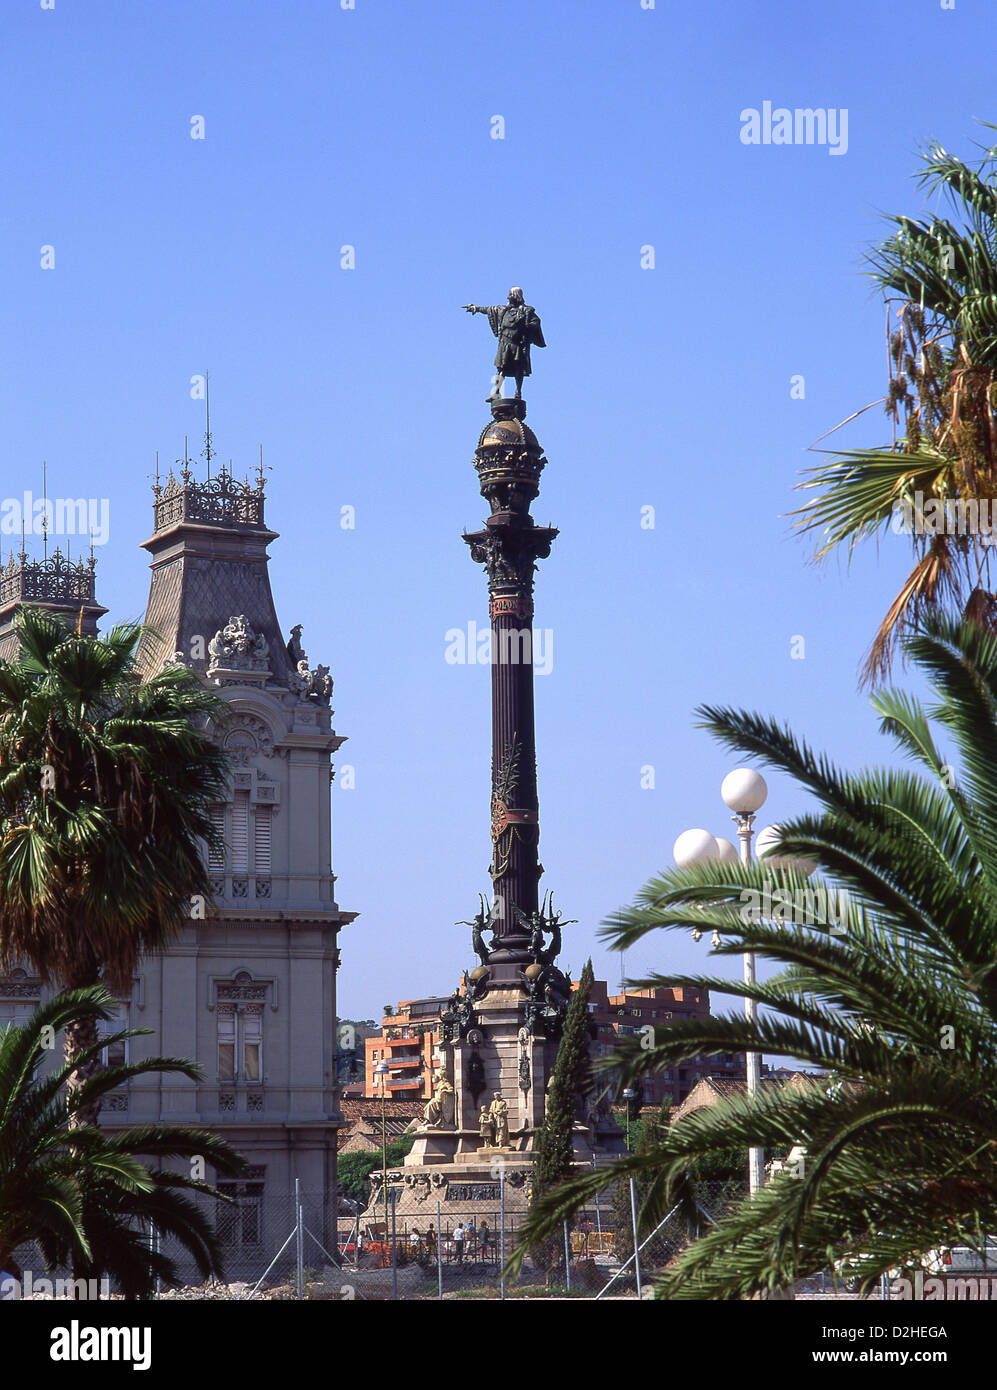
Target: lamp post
point(628, 1096)
point(744, 792)
point(382, 1070)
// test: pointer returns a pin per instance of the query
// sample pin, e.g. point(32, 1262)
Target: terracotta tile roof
point(360, 1107)
point(363, 1120)
point(709, 1089)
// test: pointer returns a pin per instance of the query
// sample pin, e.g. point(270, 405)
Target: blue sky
point(669, 387)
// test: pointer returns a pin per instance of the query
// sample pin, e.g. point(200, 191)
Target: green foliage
point(891, 987)
point(571, 1080)
point(646, 1135)
point(106, 788)
point(83, 1196)
point(354, 1169)
point(941, 393)
point(726, 1165)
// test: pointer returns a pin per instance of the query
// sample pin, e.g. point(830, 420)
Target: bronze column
point(509, 461)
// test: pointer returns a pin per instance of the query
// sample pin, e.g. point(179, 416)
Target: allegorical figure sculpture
point(439, 1112)
point(499, 1110)
point(517, 327)
point(487, 1127)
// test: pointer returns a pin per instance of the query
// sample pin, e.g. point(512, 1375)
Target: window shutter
point(240, 833)
point(262, 839)
point(226, 1042)
point(216, 857)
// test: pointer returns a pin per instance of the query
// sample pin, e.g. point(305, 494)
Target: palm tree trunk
point(81, 1034)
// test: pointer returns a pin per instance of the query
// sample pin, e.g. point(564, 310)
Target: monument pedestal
point(492, 1054)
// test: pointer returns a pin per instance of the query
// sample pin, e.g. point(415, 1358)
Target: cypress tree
point(571, 1080)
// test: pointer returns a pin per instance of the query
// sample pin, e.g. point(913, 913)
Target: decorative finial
point(24, 553)
point(259, 472)
point(207, 425)
point(44, 512)
point(186, 462)
point(155, 487)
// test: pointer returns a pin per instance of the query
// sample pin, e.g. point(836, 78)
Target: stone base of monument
point(496, 1073)
point(470, 1184)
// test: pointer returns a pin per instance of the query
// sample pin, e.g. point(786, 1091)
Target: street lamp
point(744, 791)
point(383, 1070)
point(628, 1096)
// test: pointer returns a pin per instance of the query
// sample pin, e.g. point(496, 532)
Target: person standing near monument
point(458, 1242)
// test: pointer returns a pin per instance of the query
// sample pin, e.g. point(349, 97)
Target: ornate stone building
point(57, 584)
point(249, 986)
point(65, 588)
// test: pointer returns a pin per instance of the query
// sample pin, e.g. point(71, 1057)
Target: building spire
point(44, 511)
point(207, 424)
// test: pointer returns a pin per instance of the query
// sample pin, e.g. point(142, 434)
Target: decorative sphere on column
point(695, 847)
point(744, 791)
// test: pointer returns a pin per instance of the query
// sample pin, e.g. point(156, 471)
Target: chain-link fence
point(259, 1240)
point(437, 1255)
point(287, 1246)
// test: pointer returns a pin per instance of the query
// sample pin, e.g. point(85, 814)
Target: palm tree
point(105, 790)
point(84, 1196)
point(887, 985)
point(942, 395)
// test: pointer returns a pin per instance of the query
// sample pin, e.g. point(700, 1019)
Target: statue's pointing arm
point(492, 310)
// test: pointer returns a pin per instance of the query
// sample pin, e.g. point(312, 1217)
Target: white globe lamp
point(726, 852)
point(764, 843)
point(695, 847)
point(744, 791)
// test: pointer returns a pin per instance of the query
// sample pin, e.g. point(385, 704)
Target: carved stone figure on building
point(499, 1111)
point(295, 651)
point(487, 1127)
point(308, 684)
point(480, 924)
point(475, 1074)
point(545, 921)
point(439, 1112)
point(457, 1017)
point(524, 1071)
point(238, 647)
point(322, 684)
